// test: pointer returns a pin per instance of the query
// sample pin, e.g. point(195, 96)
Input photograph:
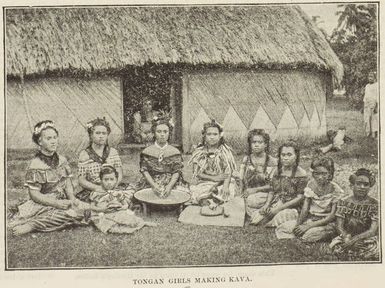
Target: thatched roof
point(39, 40)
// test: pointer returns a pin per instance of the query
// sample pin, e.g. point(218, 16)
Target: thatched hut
point(246, 66)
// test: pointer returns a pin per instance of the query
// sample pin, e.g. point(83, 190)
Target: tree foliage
point(355, 42)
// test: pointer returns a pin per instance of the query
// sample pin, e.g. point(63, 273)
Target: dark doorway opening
point(160, 85)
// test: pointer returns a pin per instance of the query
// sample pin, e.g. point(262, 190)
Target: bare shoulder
point(301, 172)
point(83, 156)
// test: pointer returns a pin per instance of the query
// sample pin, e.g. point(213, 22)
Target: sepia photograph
point(191, 135)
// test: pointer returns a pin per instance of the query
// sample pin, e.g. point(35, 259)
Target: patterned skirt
point(46, 218)
point(364, 250)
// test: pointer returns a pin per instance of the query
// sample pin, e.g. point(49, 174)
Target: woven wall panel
point(70, 103)
point(285, 104)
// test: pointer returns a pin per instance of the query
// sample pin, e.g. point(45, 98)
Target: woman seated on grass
point(49, 184)
point(161, 164)
point(94, 157)
point(357, 221)
point(256, 170)
point(288, 184)
point(213, 164)
point(117, 218)
point(316, 220)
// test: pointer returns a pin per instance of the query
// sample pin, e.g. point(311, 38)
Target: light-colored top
point(90, 163)
point(371, 95)
point(322, 201)
point(40, 176)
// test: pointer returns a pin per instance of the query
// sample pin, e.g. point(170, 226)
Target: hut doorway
point(156, 86)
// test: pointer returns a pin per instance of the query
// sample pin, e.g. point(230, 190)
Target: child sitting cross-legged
point(316, 220)
point(357, 221)
point(110, 209)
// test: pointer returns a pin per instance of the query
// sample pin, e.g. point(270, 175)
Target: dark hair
point(293, 145)
point(325, 162)
point(40, 127)
point(363, 172)
point(258, 132)
point(108, 169)
point(160, 121)
point(98, 122)
point(208, 125)
point(266, 139)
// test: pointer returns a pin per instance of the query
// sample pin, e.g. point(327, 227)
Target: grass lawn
point(172, 243)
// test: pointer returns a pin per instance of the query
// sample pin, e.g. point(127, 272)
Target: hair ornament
point(213, 123)
point(45, 125)
point(96, 122)
point(163, 116)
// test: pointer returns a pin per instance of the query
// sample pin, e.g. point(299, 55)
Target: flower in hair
point(163, 116)
point(43, 126)
point(96, 122)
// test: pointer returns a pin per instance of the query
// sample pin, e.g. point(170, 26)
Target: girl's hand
point(226, 192)
point(63, 204)
point(299, 230)
point(264, 210)
point(272, 212)
point(348, 244)
point(166, 192)
point(194, 181)
point(158, 190)
point(212, 205)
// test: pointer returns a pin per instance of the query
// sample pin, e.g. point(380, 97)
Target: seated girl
point(161, 164)
point(97, 154)
point(213, 164)
point(49, 184)
point(316, 220)
point(256, 170)
point(357, 221)
point(117, 218)
point(288, 183)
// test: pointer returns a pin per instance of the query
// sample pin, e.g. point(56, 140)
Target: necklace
point(161, 154)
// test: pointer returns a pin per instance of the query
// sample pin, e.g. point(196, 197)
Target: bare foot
point(16, 222)
point(22, 229)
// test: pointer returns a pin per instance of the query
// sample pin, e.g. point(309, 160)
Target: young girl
point(288, 184)
point(49, 184)
point(316, 220)
point(256, 170)
point(161, 164)
point(113, 206)
point(213, 165)
point(357, 221)
point(94, 157)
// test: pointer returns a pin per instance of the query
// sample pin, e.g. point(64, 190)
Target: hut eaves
point(39, 40)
